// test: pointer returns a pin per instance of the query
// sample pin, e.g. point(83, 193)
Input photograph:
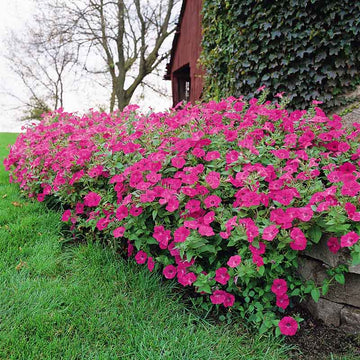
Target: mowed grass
point(84, 302)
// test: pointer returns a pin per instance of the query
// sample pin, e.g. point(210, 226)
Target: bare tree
point(127, 38)
point(41, 62)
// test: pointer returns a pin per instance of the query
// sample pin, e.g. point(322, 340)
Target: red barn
point(184, 71)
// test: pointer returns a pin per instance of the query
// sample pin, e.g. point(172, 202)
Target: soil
point(316, 341)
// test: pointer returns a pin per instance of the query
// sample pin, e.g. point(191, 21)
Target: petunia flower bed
point(222, 197)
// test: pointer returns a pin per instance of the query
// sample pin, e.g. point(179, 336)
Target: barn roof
point(167, 75)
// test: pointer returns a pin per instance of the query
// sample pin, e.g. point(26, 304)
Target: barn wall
point(188, 49)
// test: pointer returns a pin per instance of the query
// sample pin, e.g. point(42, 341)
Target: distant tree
point(41, 61)
point(35, 108)
point(118, 42)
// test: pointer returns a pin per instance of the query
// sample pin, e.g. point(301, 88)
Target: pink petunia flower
point(349, 239)
point(141, 257)
point(206, 230)
point(66, 215)
point(130, 249)
point(299, 240)
point(229, 299)
point(135, 210)
point(218, 297)
point(193, 206)
point(279, 287)
point(270, 232)
point(222, 276)
point(282, 301)
point(162, 236)
point(122, 212)
point(213, 179)
point(119, 232)
point(187, 279)
point(150, 264)
point(92, 199)
point(212, 201)
point(212, 155)
point(181, 234)
point(288, 326)
point(178, 162)
point(234, 261)
point(333, 244)
point(231, 157)
point(169, 271)
point(173, 204)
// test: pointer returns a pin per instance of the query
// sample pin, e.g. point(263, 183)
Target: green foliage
point(308, 49)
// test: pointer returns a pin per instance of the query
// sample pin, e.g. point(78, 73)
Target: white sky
point(13, 15)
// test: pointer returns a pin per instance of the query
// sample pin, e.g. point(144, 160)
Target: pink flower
point(234, 261)
point(282, 301)
point(187, 279)
point(162, 236)
point(349, 239)
point(150, 263)
point(173, 251)
point(258, 250)
point(333, 244)
point(79, 208)
point(119, 232)
point(288, 326)
point(130, 249)
point(173, 204)
point(270, 232)
point(257, 260)
point(209, 217)
point(198, 152)
point(193, 206)
point(305, 213)
point(299, 240)
point(212, 201)
point(231, 157)
point(92, 199)
point(229, 299)
point(178, 162)
point(66, 215)
point(279, 287)
point(181, 234)
point(218, 296)
point(261, 88)
point(122, 212)
point(169, 271)
point(206, 230)
point(135, 210)
point(213, 179)
point(212, 155)
point(95, 171)
point(141, 257)
point(284, 197)
point(281, 154)
point(222, 276)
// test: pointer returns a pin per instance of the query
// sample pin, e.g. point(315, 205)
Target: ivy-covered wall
point(309, 49)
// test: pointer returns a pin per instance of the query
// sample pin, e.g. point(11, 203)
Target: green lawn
point(84, 302)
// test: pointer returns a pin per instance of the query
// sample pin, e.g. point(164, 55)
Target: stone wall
point(340, 307)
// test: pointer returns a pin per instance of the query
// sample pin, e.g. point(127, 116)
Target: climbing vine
point(308, 49)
